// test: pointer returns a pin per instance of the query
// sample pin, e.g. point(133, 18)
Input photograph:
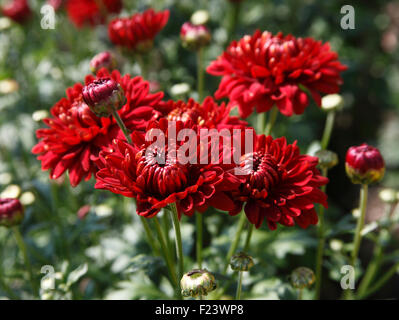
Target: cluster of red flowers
point(279, 185)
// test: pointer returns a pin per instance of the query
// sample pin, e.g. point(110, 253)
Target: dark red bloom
point(76, 135)
point(102, 60)
point(208, 114)
point(156, 176)
point(11, 212)
point(364, 164)
point(194, 36)
point(282, 185)
point(91, 12)
point(263, 70)
point(139, 30)
point(56, 4)
point(17, 10)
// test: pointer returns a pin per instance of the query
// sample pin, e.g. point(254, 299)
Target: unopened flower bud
point(241, 262)
point(389, 196)
point(364, 164)
point(104, 95)
point(327, 159)
point(332, 102)
point(198, 282)
point(17, 10)
point(11, 212)
point(194, 37)
point(102, 60)
point(302, 277)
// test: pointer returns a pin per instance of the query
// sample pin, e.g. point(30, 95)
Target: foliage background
point(110, 239)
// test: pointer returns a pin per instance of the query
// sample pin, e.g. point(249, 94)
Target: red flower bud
point(104, 95)
point(364, 164)
point(17, 10)
point(102, 60)
point(194, 36)
point(11, 212)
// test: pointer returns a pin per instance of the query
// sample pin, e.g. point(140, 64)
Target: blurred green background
point(110, 240)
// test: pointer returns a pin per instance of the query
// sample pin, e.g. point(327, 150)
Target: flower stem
point(199, 231)
point(166, 228)
point(249, 235)
point(234, 19)
point(272, 120)
point(300, 291)
point(360, 223)
point(166, 255)
point(200, 74)
point(261, 118)
point(234, 244)
point(320, 247)
point(382, 281)
point(21, 244)
point(239, 285)
point(179, 246)
point(149, 235)
point(328, 130)
point(121, 125)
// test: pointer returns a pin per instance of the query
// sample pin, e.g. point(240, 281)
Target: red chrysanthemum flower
point(76, 135)
point(282, 185)
point(139, 30)
point(91, 12)
point(138, 171)
point(17, 10)
point(208, 114)
point(263, 70)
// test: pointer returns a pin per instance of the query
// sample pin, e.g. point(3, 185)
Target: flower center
point(161, 174)
point(262, 168)
point(184, 114)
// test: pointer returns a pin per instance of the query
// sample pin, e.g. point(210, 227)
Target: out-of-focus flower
point(282, 185)
point(11, 212)
point(364, 164)
point(180, 89)
point(75, 135)
point(302, 277)
point(208, 114)
point(263, 70)
point(91, 12)
point(17, 10)
point(103, 96)
point(27, 198)
point(198, 282)
point(327, 159)
point(56, 4)
point(40, 115)
point(8, 86)
point(200, 17)
point(102, 60)
point(83, 211)
point(389, 195)
point(157, 176)
point(194, 37)
point(11, 191)
point(332, 102)
point(241, 262)
point(138, 31)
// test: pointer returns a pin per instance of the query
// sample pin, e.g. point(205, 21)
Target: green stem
point(234, 19)
point(360, 223)
point(249, 235)
point(236, 241)
point(300, 291)
point(371, 269)
point(382, 281)
point(200, 74)
point(272, 120)
point(199, 231)
point(150, 237)
point(320, 247)
point(261, 119)
point(166, 228)
point(21, 244)
point(121, 125)
point(166, 255)
point(239, 285)
point(328, 130)
point(179, 246)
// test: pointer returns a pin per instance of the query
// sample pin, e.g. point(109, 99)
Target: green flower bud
point(327, 159)
point(198, 282)
point(302, 277)
point(241, 262)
